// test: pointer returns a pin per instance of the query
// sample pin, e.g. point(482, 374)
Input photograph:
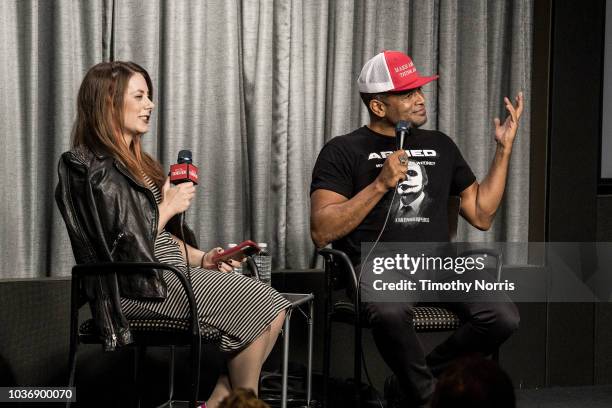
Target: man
point(352, 190)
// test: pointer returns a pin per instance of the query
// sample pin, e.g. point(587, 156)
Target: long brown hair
point(100, 118)
point(242, 398)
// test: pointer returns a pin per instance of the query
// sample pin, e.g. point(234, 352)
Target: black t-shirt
point(436, 170)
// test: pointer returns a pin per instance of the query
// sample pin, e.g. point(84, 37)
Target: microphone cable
point(184, 158)
point(382, 230)
point(400, 146)
point(363, 359)
point(182, 227)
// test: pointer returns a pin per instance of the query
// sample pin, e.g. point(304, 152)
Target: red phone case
point(241, 250)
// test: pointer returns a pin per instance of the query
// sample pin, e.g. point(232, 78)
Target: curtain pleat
point(45, 47)
point(254, 89)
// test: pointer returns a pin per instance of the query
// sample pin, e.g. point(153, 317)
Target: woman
point(127, 211)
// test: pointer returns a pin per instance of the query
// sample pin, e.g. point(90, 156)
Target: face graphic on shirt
point(410, 189)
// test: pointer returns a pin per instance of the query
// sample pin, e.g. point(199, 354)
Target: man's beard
point(418, 125)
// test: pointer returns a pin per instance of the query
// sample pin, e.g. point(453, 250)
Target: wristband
point(202, 261)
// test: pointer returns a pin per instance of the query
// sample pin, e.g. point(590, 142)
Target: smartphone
point(237, 253)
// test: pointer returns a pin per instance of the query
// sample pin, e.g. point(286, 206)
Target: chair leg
point(326, 360)
point(196, 351)
point(139, 356)
point(171, 375)
point(357, 366)
point(72, 360)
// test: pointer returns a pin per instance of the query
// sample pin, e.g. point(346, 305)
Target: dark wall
point(604, 218)
point(33, 331)
point(578, 338)
point(603, 321)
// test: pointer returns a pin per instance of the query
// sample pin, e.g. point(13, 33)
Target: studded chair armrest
point(161, 327)
point(434, 318)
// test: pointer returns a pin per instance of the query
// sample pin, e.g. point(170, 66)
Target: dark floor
point(566, 397)
point(553, 397)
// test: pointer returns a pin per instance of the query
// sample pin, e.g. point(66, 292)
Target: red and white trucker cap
point(391, 71)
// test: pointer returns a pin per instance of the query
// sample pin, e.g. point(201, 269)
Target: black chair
point(146, 332)
point(153, 332)
point(340, 273)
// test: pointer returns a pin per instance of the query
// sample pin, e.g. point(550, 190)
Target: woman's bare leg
point(275, 328)
point(245, 367)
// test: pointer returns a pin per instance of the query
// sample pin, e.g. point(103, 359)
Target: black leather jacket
point(111, 217)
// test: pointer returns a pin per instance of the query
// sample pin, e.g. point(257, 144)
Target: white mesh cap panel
point(375, 76)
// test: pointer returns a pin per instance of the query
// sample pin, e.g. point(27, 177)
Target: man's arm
point(333, 216)
point(479, 202)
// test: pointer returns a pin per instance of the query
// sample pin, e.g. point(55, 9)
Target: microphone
point(184, 170)
point(402, 130)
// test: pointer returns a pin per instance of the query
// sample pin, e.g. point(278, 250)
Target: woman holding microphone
point(130, 211)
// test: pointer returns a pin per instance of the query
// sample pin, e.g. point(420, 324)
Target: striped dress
point(239, 307)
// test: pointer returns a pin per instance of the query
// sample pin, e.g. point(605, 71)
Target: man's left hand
point(505, 132)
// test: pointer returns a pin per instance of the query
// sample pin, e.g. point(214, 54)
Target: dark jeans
point(485, 326)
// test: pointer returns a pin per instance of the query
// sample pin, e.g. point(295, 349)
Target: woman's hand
point(223, 266)
point(175, 200)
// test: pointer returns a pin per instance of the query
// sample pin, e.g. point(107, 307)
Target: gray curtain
point(254, 89)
